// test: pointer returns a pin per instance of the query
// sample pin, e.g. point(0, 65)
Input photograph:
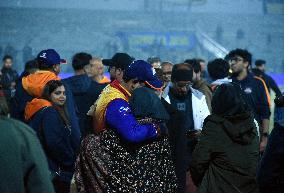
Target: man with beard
point(187, 109)
point(255, 90)
point(117, 64)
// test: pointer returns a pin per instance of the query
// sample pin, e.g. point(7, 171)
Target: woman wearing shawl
point(110, 162)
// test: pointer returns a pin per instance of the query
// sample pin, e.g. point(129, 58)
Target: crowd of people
point(152, 126)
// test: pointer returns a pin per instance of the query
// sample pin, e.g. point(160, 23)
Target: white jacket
point(199, 106)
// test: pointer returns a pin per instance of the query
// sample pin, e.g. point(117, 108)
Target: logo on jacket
point(181, 106)
point(248, 90)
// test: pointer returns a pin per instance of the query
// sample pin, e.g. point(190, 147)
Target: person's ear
point(246, 64)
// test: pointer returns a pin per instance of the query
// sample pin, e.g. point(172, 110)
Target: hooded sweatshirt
point(225, 158)
point(85, 92)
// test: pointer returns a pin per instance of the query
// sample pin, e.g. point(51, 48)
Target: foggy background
point(170, 29)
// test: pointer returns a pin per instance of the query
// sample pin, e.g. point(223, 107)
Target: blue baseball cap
point(142, 70)
point(50, 57)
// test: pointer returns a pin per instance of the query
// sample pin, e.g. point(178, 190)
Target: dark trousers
point(60, 186)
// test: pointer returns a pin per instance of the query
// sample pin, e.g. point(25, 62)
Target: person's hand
point(162, 129)
point(263, 144)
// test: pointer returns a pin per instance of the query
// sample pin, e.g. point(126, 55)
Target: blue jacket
point(85, 92)
point(21, 98)
point(255, 96)
point(120, 118)
point(59, 142)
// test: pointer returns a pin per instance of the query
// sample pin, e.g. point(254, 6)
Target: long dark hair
point(228, 100)
point(51, 86)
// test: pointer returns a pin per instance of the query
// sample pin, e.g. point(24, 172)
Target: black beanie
point(181, 75)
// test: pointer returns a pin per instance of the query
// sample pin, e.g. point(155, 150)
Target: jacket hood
point(240, 128)
point(34, 83)
point(78, 84)
point(34, 106)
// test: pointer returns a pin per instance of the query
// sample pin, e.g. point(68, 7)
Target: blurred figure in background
point(84, 90)
point(23, 164)
point(199, 83)
point(31, 67)
point(218, 70)
point(204, 73)
point(254, 88)
point(155, 63)
point(166, 72)
point(96, 71)
point(271, 169)
point(9, 77)
point(3, 103)
point(260, 72)
point(226, 156)
point(49, 117)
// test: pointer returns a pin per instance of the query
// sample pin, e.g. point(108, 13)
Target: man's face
point(181, 88)
point(96, 68)
point(238, 64)
point(156, 65)
point(111, 71)
point(167, 72)
point(262, 68)
point(8, 63)
point(56, 68)
point(115, 73)
point(132, 84)
point(196, 76)
point(203, 66)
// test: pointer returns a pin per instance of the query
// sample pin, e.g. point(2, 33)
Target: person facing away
point(218, 70)
point(256, 92)
point(84, 90)
point(270, 174)
point(226, 157)
point(31, 67)
point(49, 117)
point(96, 71)
point(106, 162)
point(23, 164)
point(9, 77)
point(260, 72)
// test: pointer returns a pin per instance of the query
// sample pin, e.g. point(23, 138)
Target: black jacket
point(85, 92)
point(8, 76)
point(178, 142)
point(270, 83)
point(225, 159)
point(255, 96)
point(271, 170)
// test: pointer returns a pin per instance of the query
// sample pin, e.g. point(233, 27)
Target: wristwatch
point(265, 134)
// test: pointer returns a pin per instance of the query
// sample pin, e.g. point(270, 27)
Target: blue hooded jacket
point(59, 141)
point(85, 92)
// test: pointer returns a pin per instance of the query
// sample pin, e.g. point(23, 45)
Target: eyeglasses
point(167, 73)
point(183, 85)
point(236, 59)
